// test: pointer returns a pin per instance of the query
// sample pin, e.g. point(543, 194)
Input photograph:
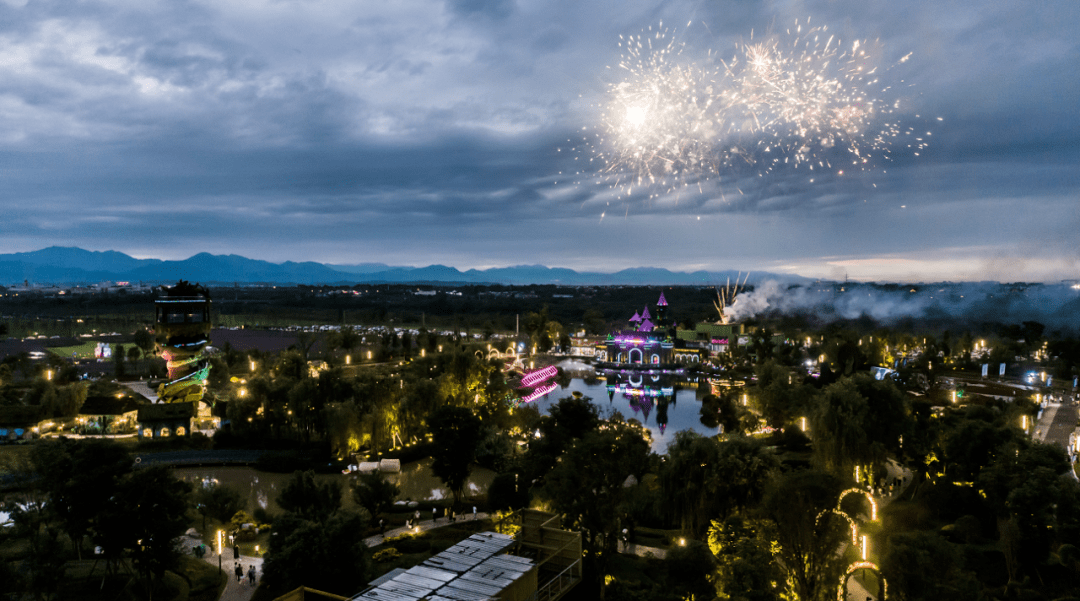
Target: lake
point(663, 403)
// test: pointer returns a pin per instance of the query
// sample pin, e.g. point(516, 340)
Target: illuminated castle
point(182, 331)
point(648, 341)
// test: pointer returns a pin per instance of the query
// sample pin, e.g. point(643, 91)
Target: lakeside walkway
point(421, 526)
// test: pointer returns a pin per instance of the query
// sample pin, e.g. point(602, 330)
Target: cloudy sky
point(415, 132)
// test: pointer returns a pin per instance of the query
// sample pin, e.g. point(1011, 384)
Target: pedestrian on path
point(239, 571)
point(251, 575)
point(474, 512)
point(416, 516)
point(433, 515)
point(382, 527)
point(236, 551)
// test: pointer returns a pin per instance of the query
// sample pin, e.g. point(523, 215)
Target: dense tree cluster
point(316, 540)
point(90, 491)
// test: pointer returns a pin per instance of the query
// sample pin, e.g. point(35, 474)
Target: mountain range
point(65, 266)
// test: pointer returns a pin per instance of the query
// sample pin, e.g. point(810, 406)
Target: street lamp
point(220, 547)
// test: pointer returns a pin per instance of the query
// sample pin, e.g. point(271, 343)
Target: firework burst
point(801, 99)
point(663, 119)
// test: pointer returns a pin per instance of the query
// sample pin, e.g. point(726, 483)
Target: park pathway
point(421, 526)
point(236, 591)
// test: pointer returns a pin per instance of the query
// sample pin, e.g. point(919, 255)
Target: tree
point(119, 355)
point(569, 419)
point(837, 428)
point(807, 546)
point(327, 554)
point(375, 493)
point(219, 502)
point(704, 478)
point(455, 433)
point(80, 479)
point(346, 339)
point(747, 567)
point(304, 342)
point(1035, 500)
point(690, 568)
point(586, 486)
point(156, 504)
point(144, 340)
point(145, 515)
point(43, 567)
point(308, 499)
point(923, 565)
point(316, 543)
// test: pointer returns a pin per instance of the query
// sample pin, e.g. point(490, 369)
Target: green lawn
point(82, 351)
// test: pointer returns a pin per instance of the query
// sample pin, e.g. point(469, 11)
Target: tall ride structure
point(182, 331)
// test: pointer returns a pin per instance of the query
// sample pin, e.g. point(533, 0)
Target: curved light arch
point(841, 591)
point(869, 497)
point(850, 521)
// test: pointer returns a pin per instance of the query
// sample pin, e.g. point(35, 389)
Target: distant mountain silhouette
point(64, 266)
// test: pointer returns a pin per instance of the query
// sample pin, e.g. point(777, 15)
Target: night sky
point(415, 132)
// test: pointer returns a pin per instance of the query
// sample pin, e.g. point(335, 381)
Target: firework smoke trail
point(798, 99)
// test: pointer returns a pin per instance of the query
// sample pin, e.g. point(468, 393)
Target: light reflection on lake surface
point(261, 489)
point(663, 403)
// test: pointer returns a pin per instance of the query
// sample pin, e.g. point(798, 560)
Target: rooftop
point(475, 569)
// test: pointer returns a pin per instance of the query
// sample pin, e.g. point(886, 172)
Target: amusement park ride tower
point(182, 331)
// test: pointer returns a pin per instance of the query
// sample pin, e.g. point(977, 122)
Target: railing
point(557, 586)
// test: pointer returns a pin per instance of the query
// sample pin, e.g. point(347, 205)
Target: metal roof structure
point(475, 569)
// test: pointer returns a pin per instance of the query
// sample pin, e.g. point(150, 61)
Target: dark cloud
point(390, 129)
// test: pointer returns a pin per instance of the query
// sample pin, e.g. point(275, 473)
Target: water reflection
point(659, 401)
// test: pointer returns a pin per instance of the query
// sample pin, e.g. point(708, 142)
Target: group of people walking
point(451, 516)
point(239, 569)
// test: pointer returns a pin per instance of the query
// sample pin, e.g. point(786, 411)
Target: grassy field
point(82, 351)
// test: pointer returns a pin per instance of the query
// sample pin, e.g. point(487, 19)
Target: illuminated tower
point(661, 311)
point(182, 331)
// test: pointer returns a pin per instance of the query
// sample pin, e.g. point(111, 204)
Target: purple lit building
point(649, 339)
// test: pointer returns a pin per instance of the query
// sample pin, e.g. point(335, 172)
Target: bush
point(501, 494)
point(262, 516)
point(385, 555)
